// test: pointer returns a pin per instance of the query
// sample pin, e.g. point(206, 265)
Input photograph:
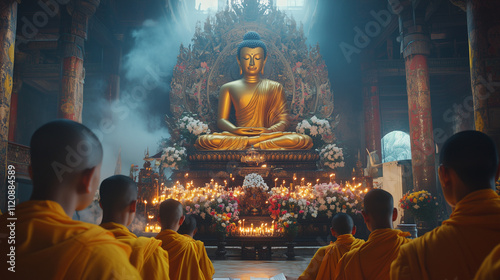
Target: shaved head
point(117, 192)
point(379, 206)
point(342, 223)
point(188, 226)
point(474, 157)
point(171, 213)
point(60, 151)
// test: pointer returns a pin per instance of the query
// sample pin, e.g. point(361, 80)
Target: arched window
point(396, 146)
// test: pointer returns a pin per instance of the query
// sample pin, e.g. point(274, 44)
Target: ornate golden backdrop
point(209, 62)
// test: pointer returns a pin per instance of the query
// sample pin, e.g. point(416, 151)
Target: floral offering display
point(224, 210)
point(331, 156)
point(191, 128)
point(331, 199)
point(174, 157)
point(422, 205)
point(287, 223)
point(254, 180)
point(320, 131)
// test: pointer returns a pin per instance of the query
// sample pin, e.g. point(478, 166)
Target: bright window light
point(289, 3)
point(396, 146)
point(205, 5)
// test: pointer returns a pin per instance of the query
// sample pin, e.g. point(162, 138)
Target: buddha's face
point(252, 61)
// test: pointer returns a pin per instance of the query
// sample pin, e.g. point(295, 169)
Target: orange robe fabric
point(490, 269)
point(456, 249)
point(50, 245)
point(372, 260)
point(328, 265)
point(184, 261)
point(205, 263)
point(147, 254)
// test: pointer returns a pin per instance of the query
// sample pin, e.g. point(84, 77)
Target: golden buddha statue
point(260, 107)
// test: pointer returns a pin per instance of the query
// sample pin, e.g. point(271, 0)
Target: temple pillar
point(371, 107)
point(416, 49)
point(483, 24)
point(8, 24)
point(72, 40)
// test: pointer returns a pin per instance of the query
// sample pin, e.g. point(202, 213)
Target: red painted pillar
point(371, 106)
point(72, 39)
point(8, 24)
point(416, 46)
point(483, 24)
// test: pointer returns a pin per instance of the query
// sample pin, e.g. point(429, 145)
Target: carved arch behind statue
point(210, 61)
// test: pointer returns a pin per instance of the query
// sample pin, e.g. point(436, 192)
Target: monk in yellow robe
point(373, 259)
point(189, 229)
point(65, 170)
point(260, 108)
point(183, 257)
point(324, 263)
point(118, 200)
point(455, 250)
point(490, 269)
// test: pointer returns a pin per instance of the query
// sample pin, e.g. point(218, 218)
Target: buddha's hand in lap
point(250, 131)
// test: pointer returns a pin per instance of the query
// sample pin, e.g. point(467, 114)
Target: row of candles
point(262, 230)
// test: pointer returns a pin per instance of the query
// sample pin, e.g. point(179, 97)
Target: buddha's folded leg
point(287, 141)
point(221, 141)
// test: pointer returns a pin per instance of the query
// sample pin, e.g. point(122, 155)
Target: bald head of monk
point(171, 215)
point(342, 224)
point(379, 211)
point(188, 226)
point(65, 164)
point(468, 162)
point(118, 199)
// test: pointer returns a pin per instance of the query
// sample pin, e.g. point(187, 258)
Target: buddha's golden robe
point(456, 249)
point(205, 263)
point(147, 254)
point(325, 267)
point(372, 260)
point(50, 245)
point(184, 261)
point(490, 269)
point(266, 108)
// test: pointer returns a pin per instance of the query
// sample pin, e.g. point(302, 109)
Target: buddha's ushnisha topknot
point(252, 40)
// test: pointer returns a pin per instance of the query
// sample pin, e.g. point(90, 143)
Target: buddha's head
point(252, 54)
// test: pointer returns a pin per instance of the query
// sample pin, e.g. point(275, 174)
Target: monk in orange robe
point(324, 262)
point(373, 259)
point(490, 269)
point(455, 250)
point(188, 228)
point(118, 199)
point(184, 260)
point(65, 170)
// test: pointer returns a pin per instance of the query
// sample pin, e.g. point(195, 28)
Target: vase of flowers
point(331, 157)
point(287, 224)
point(319, 130)
point(423, 207)
point(224, 211)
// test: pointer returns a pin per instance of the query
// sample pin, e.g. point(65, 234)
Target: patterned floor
point(265, 269)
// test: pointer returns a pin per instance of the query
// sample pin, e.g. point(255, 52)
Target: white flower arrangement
point(319, 129)
point(254, 180)
point(173, 157)
point(191, 127)
point(332, 156)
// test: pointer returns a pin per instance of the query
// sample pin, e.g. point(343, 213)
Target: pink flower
point(301, 211)
point(221, 205)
